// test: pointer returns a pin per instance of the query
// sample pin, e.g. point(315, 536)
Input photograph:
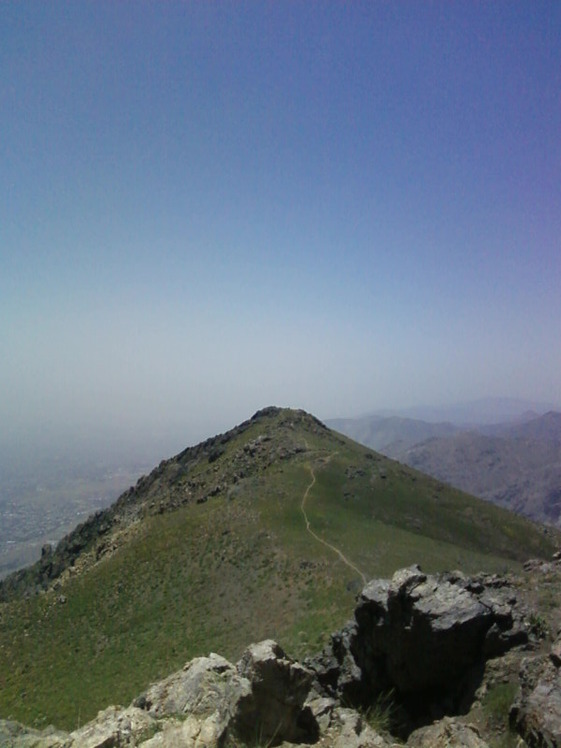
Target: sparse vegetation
point(381, 714)
point(507, 739)
point(496, 707)
point(257, 740)
point(498, 700)
point(538, 626)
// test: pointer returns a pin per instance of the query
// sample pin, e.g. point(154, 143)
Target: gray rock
point(350, 730)
point(274, 707)
point(322, 709)
point(199, 688)
point(114, 727)
point(194, 732)
point(336, 669)
point(435, 631)
point(536, 714)
point(15, 735)
point(447, 733)
point(423, 636)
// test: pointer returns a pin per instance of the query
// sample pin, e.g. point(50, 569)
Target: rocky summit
point(428, 661)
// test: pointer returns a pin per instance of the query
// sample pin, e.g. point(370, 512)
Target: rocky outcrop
point(197, 689)
point(267, 698)
point(536, 714)
point(274, 701)
point(423, 637)
point(14, 735)
point(113, 726)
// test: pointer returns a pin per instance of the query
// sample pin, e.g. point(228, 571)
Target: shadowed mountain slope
point(543, 428)
point(515, 465)
point(268, 530)
point(520, 470)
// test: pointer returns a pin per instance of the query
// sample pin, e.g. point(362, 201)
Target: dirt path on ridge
point(333, 548)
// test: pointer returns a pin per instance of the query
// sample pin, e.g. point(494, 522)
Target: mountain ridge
point(213, 549)
point(484, 410)
point(151, 488)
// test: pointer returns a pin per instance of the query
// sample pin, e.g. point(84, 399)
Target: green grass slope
point(266, 531)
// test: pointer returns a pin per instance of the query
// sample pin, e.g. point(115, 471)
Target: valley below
point(39, 507)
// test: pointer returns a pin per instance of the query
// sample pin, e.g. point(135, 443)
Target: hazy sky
point(209, 207)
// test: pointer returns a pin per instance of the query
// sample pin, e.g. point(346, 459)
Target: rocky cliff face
point(423, 662)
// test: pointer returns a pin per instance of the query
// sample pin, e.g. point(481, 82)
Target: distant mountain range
point(484, 411)
point(516, 464)
point(391, 435)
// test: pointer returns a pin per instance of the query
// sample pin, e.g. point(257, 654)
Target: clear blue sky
point(208, 207)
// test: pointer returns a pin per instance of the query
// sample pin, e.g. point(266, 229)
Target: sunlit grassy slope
point(211, 552)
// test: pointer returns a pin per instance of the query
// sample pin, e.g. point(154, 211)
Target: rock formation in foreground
point(413, 665)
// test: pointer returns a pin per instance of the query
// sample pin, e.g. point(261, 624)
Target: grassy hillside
point(213, 551)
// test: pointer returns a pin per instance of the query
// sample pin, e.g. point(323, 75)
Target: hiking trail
point(331, 547)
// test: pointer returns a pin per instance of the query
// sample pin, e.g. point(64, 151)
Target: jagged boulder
point(200, 689)
point(274, 707)
point(425, 632)
point(336, 668)
point(422, 636)
point(264, 697)
point(536, 714)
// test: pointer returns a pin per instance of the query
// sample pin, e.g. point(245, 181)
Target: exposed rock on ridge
point(425, 638)
point(193, 476)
